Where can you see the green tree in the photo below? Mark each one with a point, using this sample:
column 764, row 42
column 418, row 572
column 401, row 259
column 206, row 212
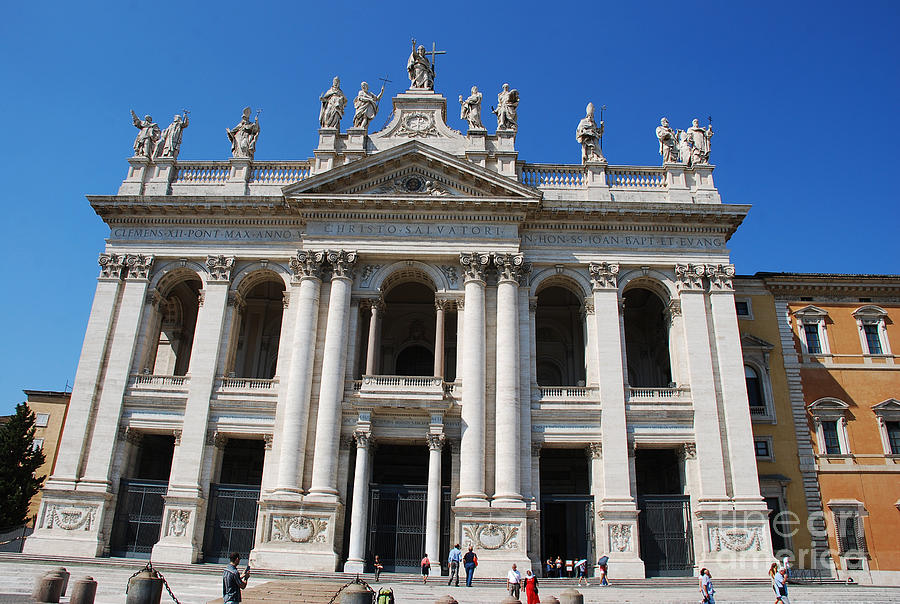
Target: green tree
column 19, row 460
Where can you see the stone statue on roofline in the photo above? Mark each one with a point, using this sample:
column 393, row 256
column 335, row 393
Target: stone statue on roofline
column 420, row 70
column 588, row 134
column 170, row 141
column 366, row 106
column 470, row 109
column 668, row 141
column 700, row 144
column 333, row 103
column 243, row 136
column 507, row 109
column 145, row 143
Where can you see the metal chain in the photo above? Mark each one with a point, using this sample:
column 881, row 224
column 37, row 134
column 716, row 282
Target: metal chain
column 358, row 581
column 156, row 575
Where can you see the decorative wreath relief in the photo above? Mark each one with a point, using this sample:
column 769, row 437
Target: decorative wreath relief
column 492, row 536
column 178, row 521
column 299, row 529
column 736, row 539
column 70, row 517
column 620, row 537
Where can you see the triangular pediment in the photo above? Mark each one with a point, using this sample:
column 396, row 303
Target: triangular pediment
column 413, row 169
column 752, row 342
column 891, row 406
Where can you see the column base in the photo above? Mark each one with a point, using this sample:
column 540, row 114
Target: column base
column 476, row 500
column 355, row 566
column 182, row 530
column 618, row 538
column 298, row 535
column 508, row 502
column 71, row 523
column 734, row 541
column 500, row 537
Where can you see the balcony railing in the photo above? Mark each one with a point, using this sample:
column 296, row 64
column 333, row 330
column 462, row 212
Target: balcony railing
column 149, row 381
column 230, row 383
column 551, row 176
column 407, row 387
column 658, row 394
column 574, row 394
column 202, row 172
column 759, row 411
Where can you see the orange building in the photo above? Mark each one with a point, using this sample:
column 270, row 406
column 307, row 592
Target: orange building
column 50, row 415
column 843, row 330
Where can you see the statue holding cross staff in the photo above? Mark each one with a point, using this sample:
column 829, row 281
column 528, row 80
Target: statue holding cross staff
column 421, row 70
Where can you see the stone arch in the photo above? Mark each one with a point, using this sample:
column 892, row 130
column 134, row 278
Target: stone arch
column 255, row 272
column 576, row 281
column 645, row 295
column 166, row 275
column 656, row 281
column 171, row 324
column 407, row 271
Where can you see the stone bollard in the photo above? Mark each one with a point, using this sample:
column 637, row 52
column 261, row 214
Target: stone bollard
column 144, row 588
column 571, row 596
column 65, row 575
column 510, row 600
column 550, row 600
column 356, row 594
column 48, row 588
column 448, row 599
column 84, row 590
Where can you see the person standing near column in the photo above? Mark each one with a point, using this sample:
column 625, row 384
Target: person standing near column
column 454, row 558
column 470, row 561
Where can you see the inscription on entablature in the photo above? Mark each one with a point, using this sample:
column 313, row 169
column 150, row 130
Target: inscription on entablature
column 445, row 230
column 203, row 234
column 620, row 240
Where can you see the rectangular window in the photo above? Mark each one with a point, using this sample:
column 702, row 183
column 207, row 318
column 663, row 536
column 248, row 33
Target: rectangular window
column 893, row 434
column 762, row 448
column 851, row 538
column 742, row 307
column 41, row 419
column 872, row 340
column 813, row 344
column 37, row 443
column 830, row 434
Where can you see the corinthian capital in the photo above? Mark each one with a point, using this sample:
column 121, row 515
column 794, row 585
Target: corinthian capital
column 720, row 277
column 474, row 265
column 342, row 263
column 689, row 277
column 511, row 267
column 307, row 263
column 435, row 442
column 219, row 267
column 111, row 265
column 138, row 266
column 604, row 275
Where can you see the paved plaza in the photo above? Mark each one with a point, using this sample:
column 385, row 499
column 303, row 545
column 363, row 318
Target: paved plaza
column 199, row 584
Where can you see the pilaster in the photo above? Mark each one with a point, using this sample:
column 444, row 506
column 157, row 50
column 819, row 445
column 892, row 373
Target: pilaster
column 162, row 173
column 238, row 182
column 139, row 169
column 186, row 495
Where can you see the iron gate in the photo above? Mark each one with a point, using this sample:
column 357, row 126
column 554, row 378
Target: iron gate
column 230, row 521
column 666, row 540
column 138, row 519
column 397, row 525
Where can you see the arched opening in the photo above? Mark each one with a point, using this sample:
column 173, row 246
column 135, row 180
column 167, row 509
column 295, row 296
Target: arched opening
column 259, row 330
column 408, row 330
column 177, row 320
column 646, row 339
column 754, row 390
column 559, row 335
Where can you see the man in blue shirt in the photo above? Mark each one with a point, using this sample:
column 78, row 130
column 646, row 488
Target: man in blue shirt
column 454, row 558
column 779, row 584
column 232, row 581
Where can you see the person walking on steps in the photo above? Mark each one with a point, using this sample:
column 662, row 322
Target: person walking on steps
column 779, row 584
column 513, row 582
column 707, row 590
column 470, row 561
column 603, row 570
column 581, row 571
column 426, row 568
column 378, row 568
column 454, row 558
column 531, row 588
column 232, row 581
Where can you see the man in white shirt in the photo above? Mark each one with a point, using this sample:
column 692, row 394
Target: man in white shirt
column 513, row 582
column 779, row 584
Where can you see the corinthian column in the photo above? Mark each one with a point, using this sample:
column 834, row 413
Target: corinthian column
column 433, row 503
column 471, row 471
column 324, row 475
column 307, row 269
column 376, row 307
column 508, row 491
column 440, row 306
column 356, row 555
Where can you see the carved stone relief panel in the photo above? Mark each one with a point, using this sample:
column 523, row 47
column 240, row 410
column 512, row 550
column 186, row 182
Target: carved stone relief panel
column 735, row 538
column 177, row 522
column 70, row 517
column 491, row 535
column 299, row 529
column 620, row 538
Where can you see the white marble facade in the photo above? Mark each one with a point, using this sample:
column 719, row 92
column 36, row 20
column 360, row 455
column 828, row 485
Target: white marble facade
column 486, row 233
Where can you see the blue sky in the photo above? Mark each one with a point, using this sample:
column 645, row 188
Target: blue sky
column 802, row 96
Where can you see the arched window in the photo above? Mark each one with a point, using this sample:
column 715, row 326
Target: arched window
column 259, row 330
column 646, row 339
column 177, row 318
column 559, row 335
column 754, row 391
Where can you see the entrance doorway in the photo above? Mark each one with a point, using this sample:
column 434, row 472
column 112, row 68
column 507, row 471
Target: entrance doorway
column 398, row 496
column 664, row 522
column 567, row 507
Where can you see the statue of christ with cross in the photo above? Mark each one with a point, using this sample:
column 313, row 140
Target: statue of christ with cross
column 421, row 71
